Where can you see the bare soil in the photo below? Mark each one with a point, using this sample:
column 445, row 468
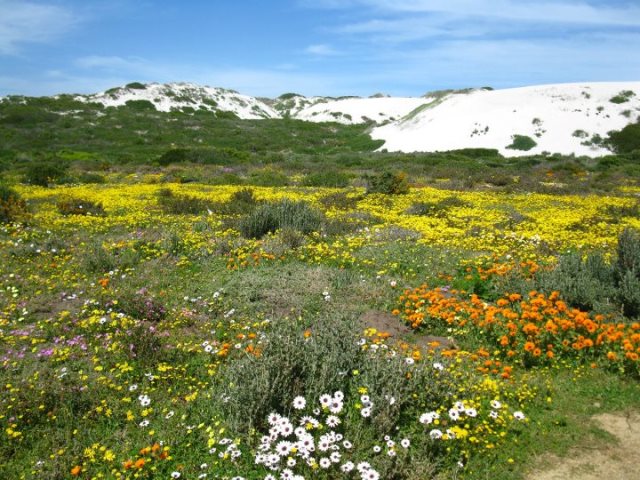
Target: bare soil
column 617, row 461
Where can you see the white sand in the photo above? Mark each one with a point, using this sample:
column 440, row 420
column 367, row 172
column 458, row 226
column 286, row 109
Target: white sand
column 553, row 112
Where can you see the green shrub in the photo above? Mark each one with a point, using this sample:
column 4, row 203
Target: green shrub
column 293, row 364
column 175, row 155
column 628, row 294
column 328, row 178
column 268, row 177
column 436, row 209
column 79, row 206
column 626, row 140
column 521, row 142
column 389, row 183
column 586, row 284
column 142, row 306
column 45, row 173
column 136, row 86
column 622, row 97
column 182, row 204
column 270, row 217
column 140, row 105
column 145, row 345
column 580, row 134
column 340, row 201
column 628, row 251
column 91, row 178
column 11, row 205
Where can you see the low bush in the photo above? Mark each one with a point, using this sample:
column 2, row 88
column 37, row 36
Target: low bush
column 182, row 204
column 622, row 97
column 521, row 142
column 626, row 140
column 91, row 178
column 389, row 183
column 340, row 201
column 45, row 173
column 329, row 178
column 142, row 306
column 270, row 217
column 79, row 206
column 585, row 284
column 298, row 361
column 12, row 206
column 436, row 209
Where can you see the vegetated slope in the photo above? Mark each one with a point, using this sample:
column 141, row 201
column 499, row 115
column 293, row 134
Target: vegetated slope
column 564, row 118
column 184, row 96
column 355, row 109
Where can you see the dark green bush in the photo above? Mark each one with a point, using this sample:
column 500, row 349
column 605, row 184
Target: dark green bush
column 522, row 142
column 11, row 205
column 270, row 217
column 45, row 173
column 91, row 178
column 79, row 206
column 328, row 178
column 182, row 204
column 436, row 209
column 140, row 105
column 340, row 201
column 136, row 86
column 622, row 97
column 175, row 155
column 390, row 183
column 268, row 177
column 626, row 140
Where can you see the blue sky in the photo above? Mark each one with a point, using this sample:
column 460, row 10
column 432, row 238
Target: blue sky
column 315, row 47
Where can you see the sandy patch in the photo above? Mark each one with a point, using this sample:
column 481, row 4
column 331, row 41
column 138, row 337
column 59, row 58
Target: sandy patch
column 617, row 461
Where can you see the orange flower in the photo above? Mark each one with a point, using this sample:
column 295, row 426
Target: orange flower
column 537, row 352
column 612, row 356
column 529, row 346
column 75, row 471
column 128, row 464
column 140, row 463
column 104, row 282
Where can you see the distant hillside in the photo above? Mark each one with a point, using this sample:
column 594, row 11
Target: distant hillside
column 565, row 118
column 183, row 96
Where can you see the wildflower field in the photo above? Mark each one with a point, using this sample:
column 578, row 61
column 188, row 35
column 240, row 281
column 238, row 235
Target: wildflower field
column 167, row 330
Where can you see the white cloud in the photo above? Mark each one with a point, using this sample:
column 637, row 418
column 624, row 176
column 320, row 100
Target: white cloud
column 26, row 22
column 321, row 50
column 553, row 11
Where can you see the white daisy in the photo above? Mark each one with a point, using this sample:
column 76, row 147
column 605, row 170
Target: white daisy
column 347, row 467
column 519, row 415
column 299, row 403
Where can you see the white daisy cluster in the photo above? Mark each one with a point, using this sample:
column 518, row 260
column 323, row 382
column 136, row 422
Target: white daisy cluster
column 391, row 446
column 227, row 448
column 367, row 406
column 460, row 412
column 296, row 445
